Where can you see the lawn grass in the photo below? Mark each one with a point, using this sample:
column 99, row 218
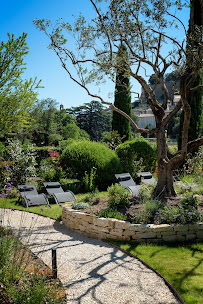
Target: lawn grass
column 181, row 265
column 54, row 211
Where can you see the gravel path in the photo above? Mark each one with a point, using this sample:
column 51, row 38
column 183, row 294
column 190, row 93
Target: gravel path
column 90, row 270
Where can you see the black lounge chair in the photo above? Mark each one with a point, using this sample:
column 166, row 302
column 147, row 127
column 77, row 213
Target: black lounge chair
column 55, row 189
column 126, row 181
column 146, row 178
column 31, row 197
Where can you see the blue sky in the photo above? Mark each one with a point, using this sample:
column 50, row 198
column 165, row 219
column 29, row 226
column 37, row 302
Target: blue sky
column 16, row 17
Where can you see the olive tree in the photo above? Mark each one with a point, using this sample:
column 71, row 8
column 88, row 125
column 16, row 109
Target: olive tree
column 149, row 30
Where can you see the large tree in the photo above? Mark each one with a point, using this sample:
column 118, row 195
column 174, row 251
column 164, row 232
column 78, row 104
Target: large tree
column 17, row 96
column 122, row 96
column 92, row 118
column 149, row 31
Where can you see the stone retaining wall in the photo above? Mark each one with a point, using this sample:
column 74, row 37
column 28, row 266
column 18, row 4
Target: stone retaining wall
column 103, row 228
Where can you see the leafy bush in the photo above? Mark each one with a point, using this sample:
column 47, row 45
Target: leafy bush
column 145, row 192
column 50, row 168
column 194, row 163
column 43, row 152
column 80, row 205
column 187, row 212
column 82, row 156
column 118, row 196
column 134, row 150
column 111, row 213
column 23, row 161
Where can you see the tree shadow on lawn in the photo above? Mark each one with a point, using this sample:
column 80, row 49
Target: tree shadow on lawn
column 188, row 272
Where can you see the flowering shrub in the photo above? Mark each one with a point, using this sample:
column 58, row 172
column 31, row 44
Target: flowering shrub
column 5, row 171
column 186, row 213
column 9, row 191
column 22, row 160
column 50, row 168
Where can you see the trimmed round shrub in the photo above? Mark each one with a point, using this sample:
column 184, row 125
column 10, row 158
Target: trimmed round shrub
column 133, row 150
column 82, row 156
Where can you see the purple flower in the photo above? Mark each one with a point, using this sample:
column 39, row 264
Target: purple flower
column 12, row 209
column 61, row 206
column 49, row 206
column 42, row 209
column 24, row 187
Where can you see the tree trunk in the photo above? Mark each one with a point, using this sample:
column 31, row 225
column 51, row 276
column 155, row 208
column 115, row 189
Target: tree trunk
column 164, row 187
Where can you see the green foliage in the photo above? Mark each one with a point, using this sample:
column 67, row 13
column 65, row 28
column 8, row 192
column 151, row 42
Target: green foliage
column 111, row 213
column 92, row 197
column 113, row 139
column 92, row 119
column 82, row 156
column 134, row 150
column 50, row 168
column 194, row 163
column 5, row 171
column 16, row 96
column 89, row 180
column 122, row 96
column 118, row 196
column 10, row 261
column 186, row 213
column 50, row 126
column 189, row 202
column 80, row 205
column 22, row 161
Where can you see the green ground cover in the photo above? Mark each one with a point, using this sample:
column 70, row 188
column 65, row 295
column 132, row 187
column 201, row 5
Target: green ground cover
column 53, row 211
column 181, row 265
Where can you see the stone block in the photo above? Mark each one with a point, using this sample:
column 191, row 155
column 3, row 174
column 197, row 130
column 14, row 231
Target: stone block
column 181, row 227
column 148, row 235
column 128, row 233
column 173, row 238
column 200, row 234
column 168, row 233
column 191, row 236
column 103, row 229
column 79, row 214
column 101, row 221
column 135, row 227
column 122, row 224
column 90, row 218
column 116, row 232
column 112, row 223
column 198, row 226
column 162, row 228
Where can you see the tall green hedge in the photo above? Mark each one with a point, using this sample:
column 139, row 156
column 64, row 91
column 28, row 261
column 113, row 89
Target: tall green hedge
column 134, row 150
column 82, row 156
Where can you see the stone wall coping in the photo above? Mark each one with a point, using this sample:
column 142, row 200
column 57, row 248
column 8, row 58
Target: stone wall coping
column 101, row 227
